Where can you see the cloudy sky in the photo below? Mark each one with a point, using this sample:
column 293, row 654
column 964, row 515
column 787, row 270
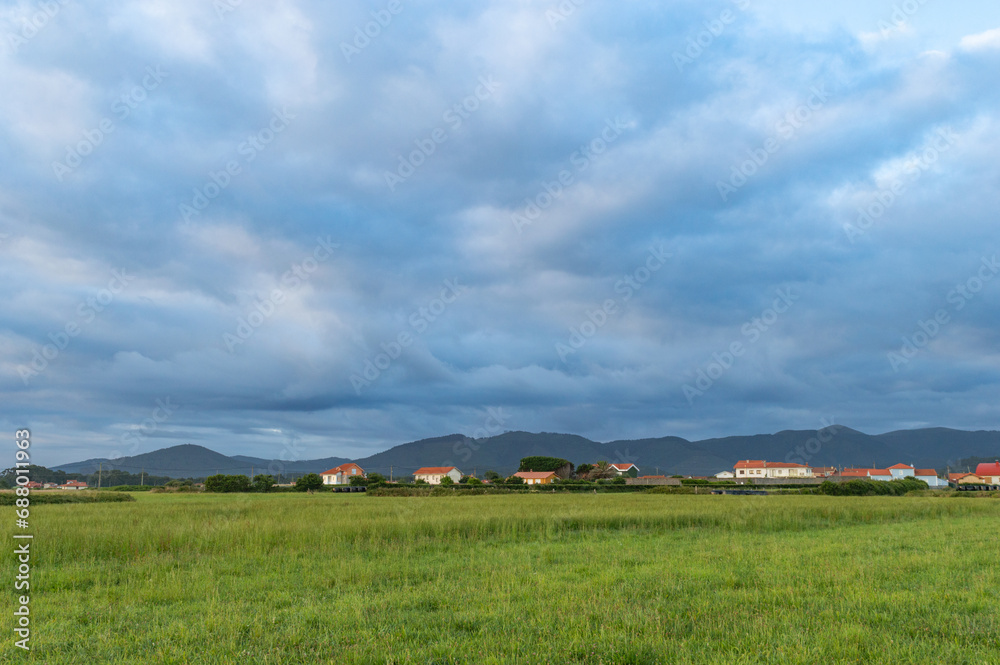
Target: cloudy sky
column 299, row 229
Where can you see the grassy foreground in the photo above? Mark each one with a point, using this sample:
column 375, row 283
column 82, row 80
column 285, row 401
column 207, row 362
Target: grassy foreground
column 606, row 578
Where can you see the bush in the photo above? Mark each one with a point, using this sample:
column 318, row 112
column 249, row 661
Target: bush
column 447, row 481
column 130, row 488
column 859, row 487
column 223, row 483
column 309, row 482
column 75, row 496
column 263, row 482
column 542, row 463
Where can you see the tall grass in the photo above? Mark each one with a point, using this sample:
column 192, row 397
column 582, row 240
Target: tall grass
column 501, row 579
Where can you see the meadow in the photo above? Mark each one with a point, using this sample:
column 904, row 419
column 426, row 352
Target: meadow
column 591, row 578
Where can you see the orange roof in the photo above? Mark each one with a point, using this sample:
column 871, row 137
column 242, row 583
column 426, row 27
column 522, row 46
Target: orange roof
column 343, row 468
column 924, row 472
column 761, row 464
column 433, row 470
column 535, row 475
column 621, row 466
column 988, row 469
column 75, row 483
column 959, row 476
column 864, row 473
column 900, row 466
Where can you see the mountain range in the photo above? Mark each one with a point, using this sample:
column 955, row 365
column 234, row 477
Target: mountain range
column 831, row 446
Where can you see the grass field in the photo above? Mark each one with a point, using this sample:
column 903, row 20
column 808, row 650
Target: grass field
column 605, row 578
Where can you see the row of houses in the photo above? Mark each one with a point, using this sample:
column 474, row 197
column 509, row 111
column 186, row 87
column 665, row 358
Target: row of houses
column 986, row 474
column 70, row 485
column 433, row 475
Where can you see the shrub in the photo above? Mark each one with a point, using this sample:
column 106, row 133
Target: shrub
column 309, row 482
column 263, row 483
column 223, row 483
column 447, row 481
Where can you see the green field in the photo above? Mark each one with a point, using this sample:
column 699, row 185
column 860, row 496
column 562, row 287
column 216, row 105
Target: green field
column 593, row 578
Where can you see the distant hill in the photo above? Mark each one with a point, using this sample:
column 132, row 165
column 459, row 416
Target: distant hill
column 833, row 446
column 191, row 461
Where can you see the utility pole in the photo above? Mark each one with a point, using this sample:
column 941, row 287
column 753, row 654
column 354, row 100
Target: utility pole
column 142, row 478
column 390, row 473
column 100, row 470
column 251, row 474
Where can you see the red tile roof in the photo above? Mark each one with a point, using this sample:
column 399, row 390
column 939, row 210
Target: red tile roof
column 75, row 483
column 900, row 466
column 535, row 475
column 343, row 468
column 958, row 476
column 750, row 464
column 433, row 470
column 924, row 472
column 988, row 469
column 623, row 466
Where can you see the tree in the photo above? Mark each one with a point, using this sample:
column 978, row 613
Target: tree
column 222, row 483
column 263, row 482
column 447, row 481
column 309, row 482
column 583, row 470
column 602, row 470
column 492, row 476
column 375, row 479
column 514, row 480
column 357, row 481
column 542, row 463
column 474, row 481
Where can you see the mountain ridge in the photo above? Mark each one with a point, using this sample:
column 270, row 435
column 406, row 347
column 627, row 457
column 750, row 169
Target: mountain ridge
column 836, row 445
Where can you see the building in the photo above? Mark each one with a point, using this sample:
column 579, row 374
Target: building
column 823, row 471
column 989, row 472
column 754, row 469
column 725, row 475
column 896, row 472
column 625, row 469
column 74, row 485
column 965, row 478
column 341, row 475
column 433, row 474
column 32, row 485
column 536, row 477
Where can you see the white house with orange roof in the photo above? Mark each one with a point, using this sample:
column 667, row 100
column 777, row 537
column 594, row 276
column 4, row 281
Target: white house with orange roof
column 341, row 475
column 537, row 477
column 74, row 485
column 758, row 469
column 432, row 475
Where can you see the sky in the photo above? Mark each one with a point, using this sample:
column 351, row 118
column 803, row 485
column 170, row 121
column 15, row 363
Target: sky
column 297, row 230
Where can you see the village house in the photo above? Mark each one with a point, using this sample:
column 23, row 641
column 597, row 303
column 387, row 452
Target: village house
column 341, row 475
column 823, row 471
column 756, row 469
column 432, row 475
column 625, row 469
column 536, row 477
column 74, row 485
column 989, row 472
column 725, row 475
column 895, row 472
column 965, row 478
column 32, row 485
